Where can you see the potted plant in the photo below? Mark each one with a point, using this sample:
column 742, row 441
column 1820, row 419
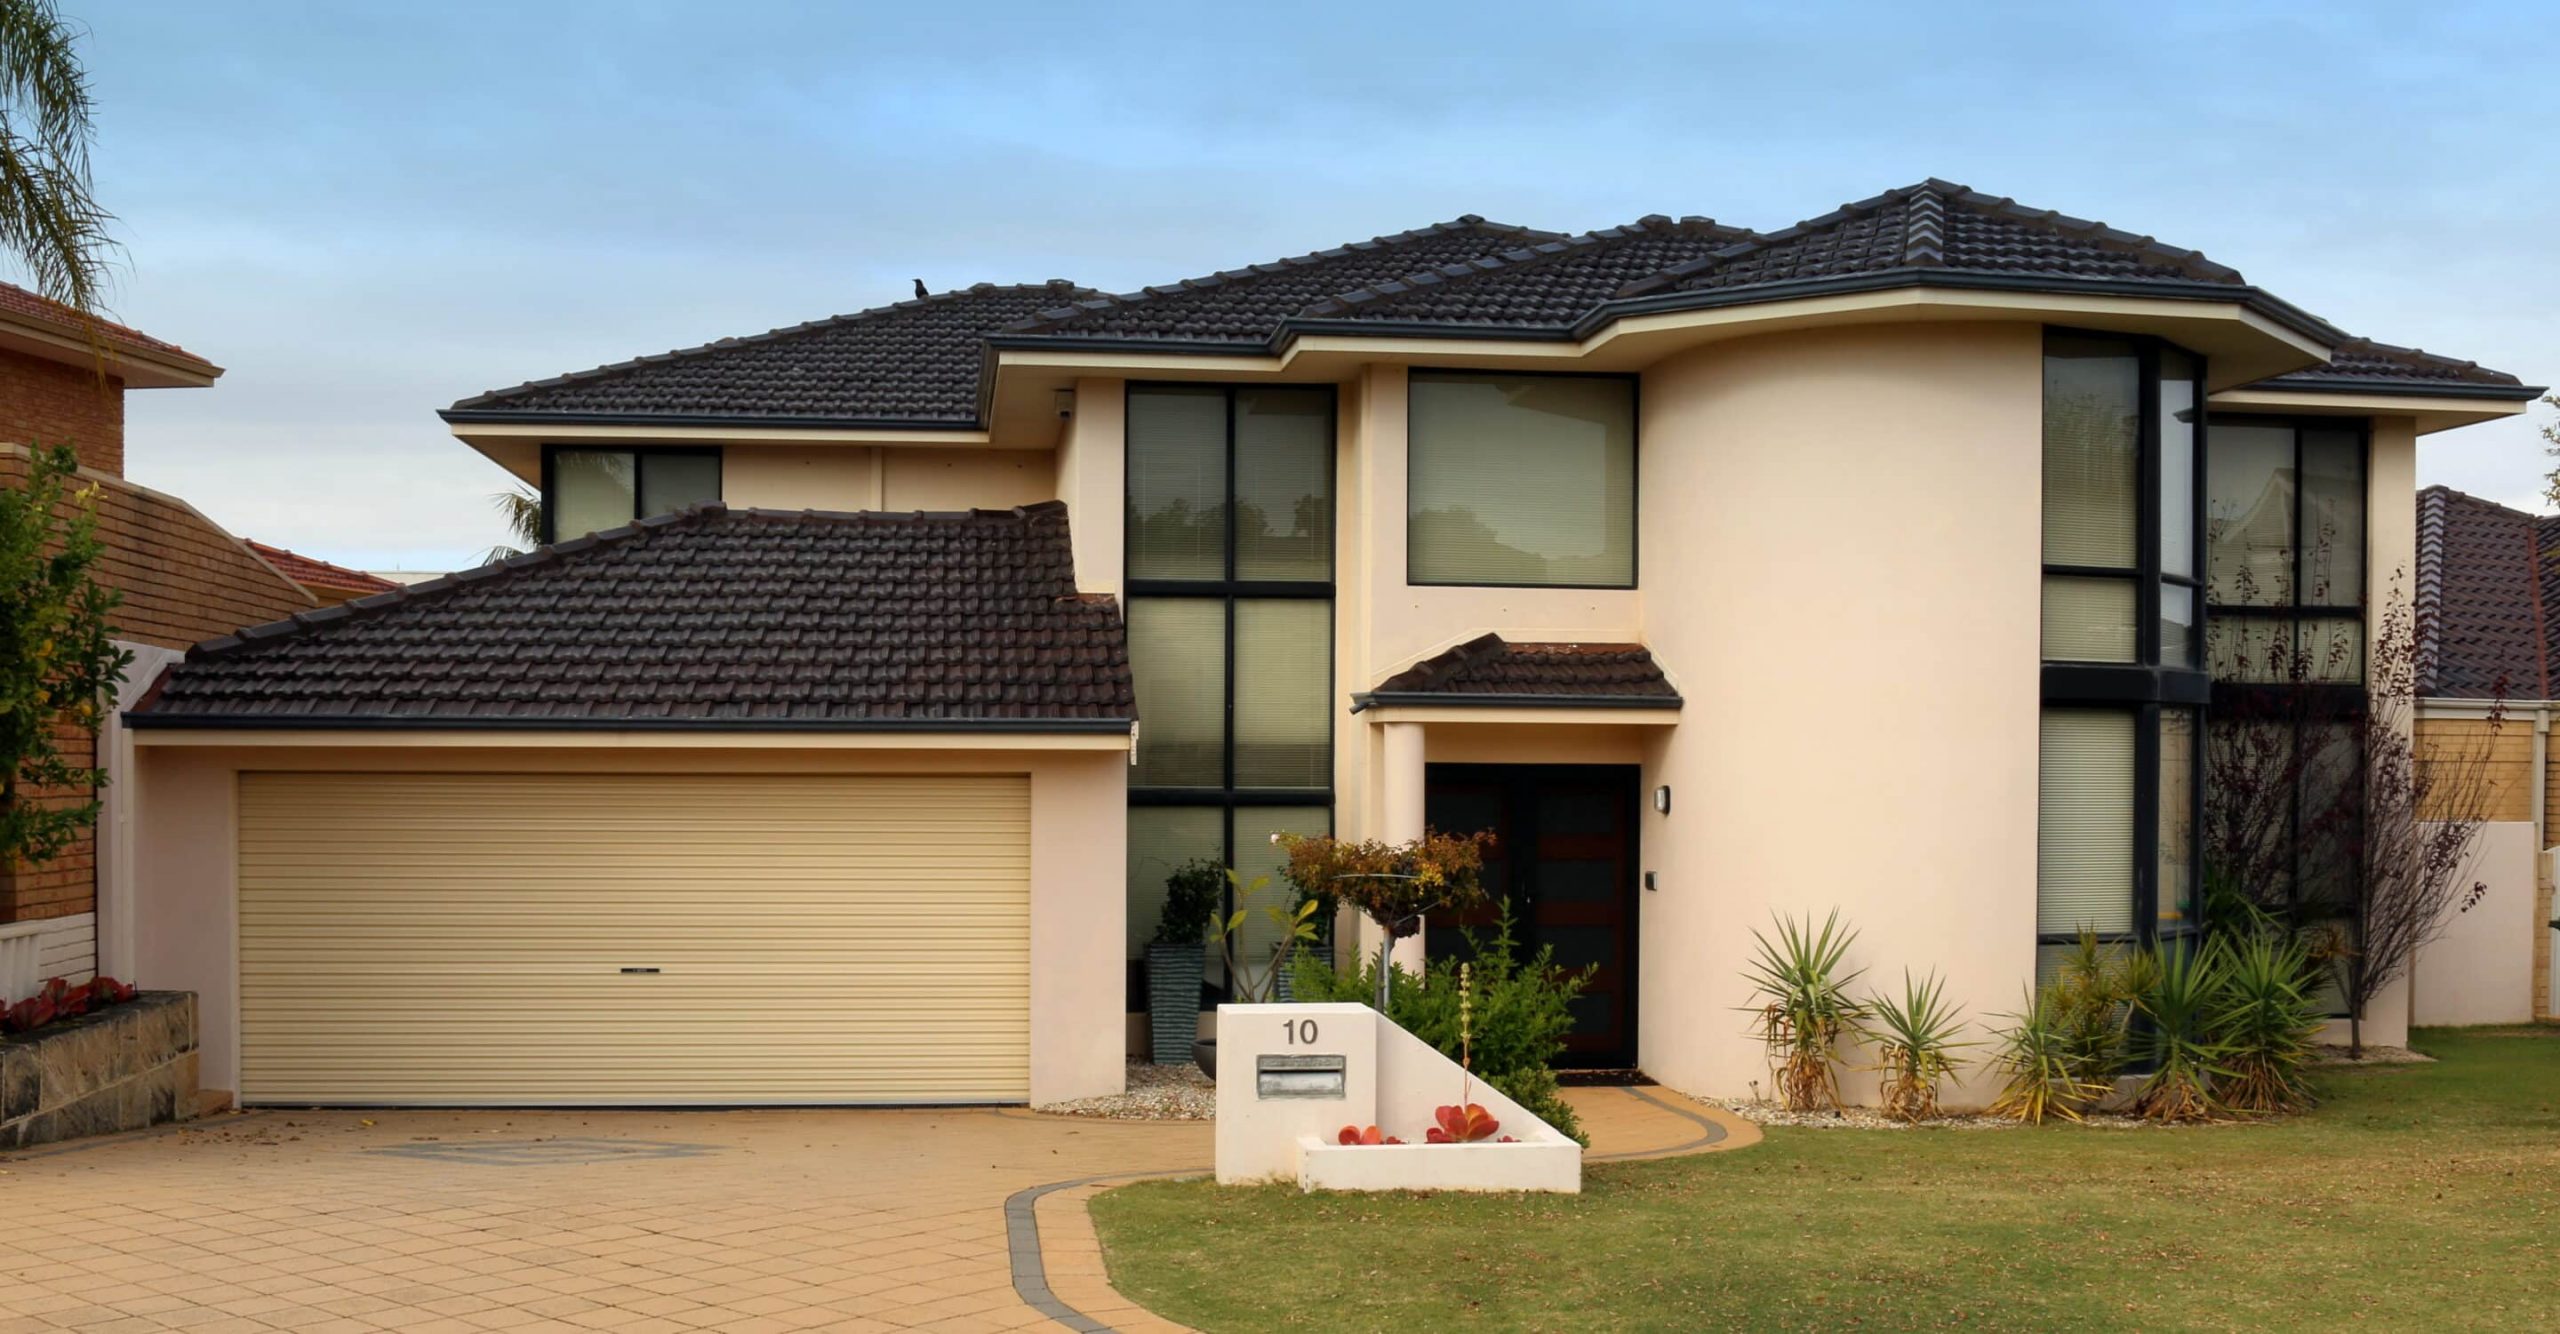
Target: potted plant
column 1254, row 977
column 1177, row 956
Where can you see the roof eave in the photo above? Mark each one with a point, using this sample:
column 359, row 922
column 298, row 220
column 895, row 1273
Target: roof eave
column 529, row 417
column 1416, row 699
column 2379, row 385
column 141, row 720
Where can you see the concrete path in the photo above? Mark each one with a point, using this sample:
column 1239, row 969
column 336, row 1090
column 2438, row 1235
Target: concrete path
column 638, row 1221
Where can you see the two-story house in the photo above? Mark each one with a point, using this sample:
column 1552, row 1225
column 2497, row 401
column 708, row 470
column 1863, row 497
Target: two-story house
column 837, row 750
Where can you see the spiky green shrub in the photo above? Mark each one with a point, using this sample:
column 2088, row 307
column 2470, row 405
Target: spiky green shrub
column 2266, row 1020
column 1801, row 1007
column 2037, row 1058
column 1915, row 1037
column 2091, row 1000
column 2178, row 995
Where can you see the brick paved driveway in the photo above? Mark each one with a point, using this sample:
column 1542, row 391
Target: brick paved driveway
column 639, row 1221
column 742, row 1221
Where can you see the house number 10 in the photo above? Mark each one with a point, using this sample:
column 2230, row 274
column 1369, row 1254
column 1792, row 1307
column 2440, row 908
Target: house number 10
column 1300, row 1032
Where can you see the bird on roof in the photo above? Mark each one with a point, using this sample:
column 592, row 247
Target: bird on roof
column 921, row 294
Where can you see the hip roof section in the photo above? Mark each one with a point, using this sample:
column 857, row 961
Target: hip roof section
column 709, row 618
column 924, row 363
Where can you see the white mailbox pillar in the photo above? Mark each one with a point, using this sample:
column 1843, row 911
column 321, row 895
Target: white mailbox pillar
column 1286, row 1071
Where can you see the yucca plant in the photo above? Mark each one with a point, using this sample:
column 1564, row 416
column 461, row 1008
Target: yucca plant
column 1801, row 1007
column 2036, row 1057
column 2180, row 992
column 2091, row 999
column 1915, row 1040
column 2266, row 1020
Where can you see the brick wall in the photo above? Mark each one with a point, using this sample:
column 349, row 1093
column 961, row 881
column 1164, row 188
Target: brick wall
column 184, row 581
column 48, row 403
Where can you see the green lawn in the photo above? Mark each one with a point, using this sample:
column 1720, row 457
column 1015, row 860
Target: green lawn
column 2417, row 1197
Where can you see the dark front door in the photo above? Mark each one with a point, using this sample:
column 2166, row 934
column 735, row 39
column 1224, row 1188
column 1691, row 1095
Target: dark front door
column 1565, row 862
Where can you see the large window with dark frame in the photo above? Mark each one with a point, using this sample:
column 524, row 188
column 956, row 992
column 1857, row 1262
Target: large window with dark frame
column 1520, row 480
column 590, row 490
column 2119, row 761
column 2286, row 587
column 1230, row 611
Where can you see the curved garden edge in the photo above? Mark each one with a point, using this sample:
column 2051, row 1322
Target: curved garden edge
column 1056, row 1255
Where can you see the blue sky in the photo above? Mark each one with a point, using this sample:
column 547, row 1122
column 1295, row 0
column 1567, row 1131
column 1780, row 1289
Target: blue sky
column 368, row 211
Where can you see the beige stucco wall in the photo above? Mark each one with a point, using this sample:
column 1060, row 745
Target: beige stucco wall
column 959, row 479
column 186, row 871
column 1841, row 559
column 800, row 477
column 1091, row 457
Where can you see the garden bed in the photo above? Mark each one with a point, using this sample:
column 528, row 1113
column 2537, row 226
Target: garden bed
column 123, row 1067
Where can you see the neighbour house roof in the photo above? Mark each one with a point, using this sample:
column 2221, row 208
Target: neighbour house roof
column 311, row 573
column 20, row 306
column 921, row 362
column 1491, row 670
column 912, row 363
column 709, row 617
column 2488, row 601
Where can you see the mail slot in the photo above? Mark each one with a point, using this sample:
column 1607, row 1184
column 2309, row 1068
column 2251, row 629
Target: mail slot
column 1298, row 1077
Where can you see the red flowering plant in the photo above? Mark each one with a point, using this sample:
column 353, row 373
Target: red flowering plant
column 61, row 999
column 1369, row 1135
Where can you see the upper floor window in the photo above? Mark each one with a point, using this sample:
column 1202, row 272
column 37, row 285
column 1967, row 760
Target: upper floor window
column 2284, row 545
column 2121, row 423
column 1230, row 485
column 590, row 490
column 1521, row 480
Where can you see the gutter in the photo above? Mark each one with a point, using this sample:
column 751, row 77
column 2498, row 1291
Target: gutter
column 1424, row 699
column 514, row 417
column 2341, row 384
column 270, row 722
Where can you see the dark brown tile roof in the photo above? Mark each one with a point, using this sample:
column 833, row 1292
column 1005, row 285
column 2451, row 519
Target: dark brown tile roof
column 711, row 618
column 916, row 362
column 1247, row 305
column 1492, row 670
column 2486, row 575
column 2363, row 364
column 919, row 362
column 1938, row 227
column 1547, row 284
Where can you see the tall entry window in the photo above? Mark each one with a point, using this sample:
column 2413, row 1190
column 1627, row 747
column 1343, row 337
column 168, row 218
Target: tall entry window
column 1230, row 607
column 2285, row 579
column 589, row 490
column 2118, row 760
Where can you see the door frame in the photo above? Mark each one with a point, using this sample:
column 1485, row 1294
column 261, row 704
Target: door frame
column 1519, row 780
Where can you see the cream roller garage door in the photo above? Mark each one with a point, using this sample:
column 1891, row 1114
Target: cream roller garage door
column 634, row 939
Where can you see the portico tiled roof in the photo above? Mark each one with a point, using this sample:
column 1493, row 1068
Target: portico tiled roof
column 920, row 362
column 708, row 618
column 1491, row 670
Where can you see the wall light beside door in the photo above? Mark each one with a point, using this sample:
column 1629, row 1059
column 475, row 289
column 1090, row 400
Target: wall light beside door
column 1662, row 799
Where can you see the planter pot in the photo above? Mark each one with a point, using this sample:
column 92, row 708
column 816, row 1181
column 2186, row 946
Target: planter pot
column 1173, row 1001
column 1204, row 1054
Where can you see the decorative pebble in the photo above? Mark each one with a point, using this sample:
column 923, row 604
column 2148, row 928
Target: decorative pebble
column 1156, row 1093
